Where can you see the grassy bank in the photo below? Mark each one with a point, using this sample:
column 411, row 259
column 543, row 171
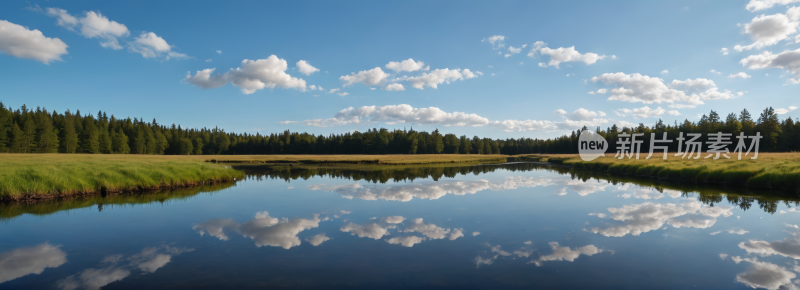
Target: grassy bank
column 771, row 170
column 420, row 159
column 42, row 175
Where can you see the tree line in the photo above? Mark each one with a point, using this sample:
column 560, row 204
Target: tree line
column 39, row 131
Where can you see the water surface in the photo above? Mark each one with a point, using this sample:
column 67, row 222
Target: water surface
column 509, row 226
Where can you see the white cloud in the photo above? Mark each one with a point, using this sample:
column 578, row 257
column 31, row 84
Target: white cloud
column 150, row 45
column 287, row 122
column 560, row 112
column 566, row 254
column 496, row 41
column 788, row 60
column 371, row 230
column 438, row 76
column 715, row 72
column 30, row 260
column 563, row 54
column 395, row 114
column 254, row 75
column 663, row 72
column 782, row 111
column 456, row 233
column 219, row 52
column 95, row 25
column 739, row 75
column 208, row 60
column 373, row 77
column 756, row 5
column 18, row 41
column 429, row 230
column 788, row 247
column 475, row 233
column 645, row 217
column 767, row 30
column 514, row 50
column 577, row 119
column 305, row 68
column 724, row 51
column 598, row 214
column 263, row 229
column 409, row 241
column 343, row 94
column 317, row 239
column 408, row 65
column 641, row 88
column 395, row 87
column 645, row 112
column 63, row 18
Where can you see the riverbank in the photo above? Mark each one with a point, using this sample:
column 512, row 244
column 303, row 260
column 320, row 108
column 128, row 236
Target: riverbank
column 392, row 159
column 770, row 170
column 44, row 176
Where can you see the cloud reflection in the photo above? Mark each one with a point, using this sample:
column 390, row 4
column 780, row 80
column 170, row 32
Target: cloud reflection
column 30, row 260
column 263, row 229
column 764, row 275
column 377, row 230
column 439, row 189
column 645, row 217
column 117, row 267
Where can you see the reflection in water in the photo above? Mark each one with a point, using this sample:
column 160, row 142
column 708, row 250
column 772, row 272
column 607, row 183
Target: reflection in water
column 645, row 193
column 645, row 217
column 437, row 190
column 377, row 230
column 317, row 239
column 117, row 267
column 765, row 275
column 263, row 229
column 559, row 254
column 30, row 260
column 788, row 247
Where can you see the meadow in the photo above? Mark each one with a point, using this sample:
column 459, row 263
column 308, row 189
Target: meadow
column 47, row 175
column 770, row 170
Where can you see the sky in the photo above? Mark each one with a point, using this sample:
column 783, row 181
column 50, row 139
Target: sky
column 497, row 69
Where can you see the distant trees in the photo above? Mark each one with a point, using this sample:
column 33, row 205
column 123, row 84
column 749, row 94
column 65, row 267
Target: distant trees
column 37, row 131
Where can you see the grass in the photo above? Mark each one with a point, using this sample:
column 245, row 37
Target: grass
column 36, row 175
column 420, row 159
column 770, row 170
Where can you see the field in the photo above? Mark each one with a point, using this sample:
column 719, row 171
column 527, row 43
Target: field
column 359, row 159
column 770, row 170
column 26, row 175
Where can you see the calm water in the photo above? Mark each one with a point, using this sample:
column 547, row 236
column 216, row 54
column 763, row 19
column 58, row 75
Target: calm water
column 488, row 227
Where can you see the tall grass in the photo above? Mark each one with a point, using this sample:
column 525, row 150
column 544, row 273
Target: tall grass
column 63, row 174
column 771, row 170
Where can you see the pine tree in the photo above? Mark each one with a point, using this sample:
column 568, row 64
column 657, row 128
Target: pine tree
column 69, row 138
column 104, row 143
column 119, row 143
column 89, row 139
column 769, row 126
column 17, row 143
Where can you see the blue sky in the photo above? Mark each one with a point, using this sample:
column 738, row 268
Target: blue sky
column 141, row 59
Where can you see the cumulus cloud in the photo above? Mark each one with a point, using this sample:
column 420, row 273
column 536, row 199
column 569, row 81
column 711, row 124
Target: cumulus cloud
column 436, row 77
column 577, row 119
column 663, row 72
column 429, row 230
column 715, row 72
column 20, row 42
column 395, row 87
column 563, row 54
column 566, row 254
column 398, row 114
column 408, row 65
column 317, row 239
column 118, row 267
column 724, row 51
column 788, row 60
column 305, row 68
column 788, row 247
column 756, row 5
column 739, row 75
column 252, row 76
column 95, row 25
column 373, row 77
column 263, row 229
column 645, row 112
column 373, row 230
column 641, row 88
column 514, row 50
column 763, row 274
column 645, row 217
column 782, row 111
column 767, row 30
column 150, row 45
column 497, row 41
column 63, row 18
column 475, row 233
column 30, row 260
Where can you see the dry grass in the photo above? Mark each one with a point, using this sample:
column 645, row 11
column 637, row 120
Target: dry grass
column 47, row 174
column 773, row 170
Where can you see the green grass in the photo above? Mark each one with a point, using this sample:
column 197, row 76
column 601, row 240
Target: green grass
column 25, row 175
column 770, row 170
